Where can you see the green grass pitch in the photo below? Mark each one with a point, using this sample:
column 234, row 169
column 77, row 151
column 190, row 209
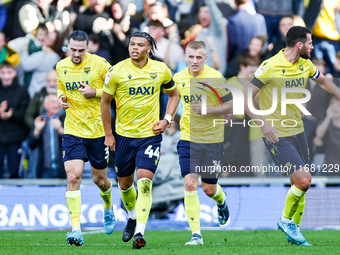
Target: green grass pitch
column 170, row 242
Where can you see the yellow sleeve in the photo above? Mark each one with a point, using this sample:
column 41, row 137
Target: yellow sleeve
column 314, row 72
column 263, row 72
column 168, row 83
column 110, row 82
column 106, row 67
column 99, row 92
column 61, row 87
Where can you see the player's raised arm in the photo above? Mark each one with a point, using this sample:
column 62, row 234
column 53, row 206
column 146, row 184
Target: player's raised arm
column 106, row 117
column 328, row 85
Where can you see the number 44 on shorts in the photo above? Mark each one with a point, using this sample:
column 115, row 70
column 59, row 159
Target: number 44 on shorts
column 149, row 151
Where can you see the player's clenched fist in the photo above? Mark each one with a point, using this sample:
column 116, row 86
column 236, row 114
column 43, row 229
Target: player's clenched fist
column 62, row 103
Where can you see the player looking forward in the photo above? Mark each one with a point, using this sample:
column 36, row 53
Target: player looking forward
column 135, row 83
column 80, row 86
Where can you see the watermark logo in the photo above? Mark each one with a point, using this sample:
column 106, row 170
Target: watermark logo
column 239, row 101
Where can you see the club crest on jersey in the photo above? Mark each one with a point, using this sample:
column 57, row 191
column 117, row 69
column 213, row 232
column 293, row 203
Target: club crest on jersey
column 183, row 84
column 129, row 76
column 87, row 70
column 65, row 72
column 153, row 75
column 283, row 71
column 301, row 67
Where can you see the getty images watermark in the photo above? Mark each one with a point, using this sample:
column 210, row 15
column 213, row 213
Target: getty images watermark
column 238, row 105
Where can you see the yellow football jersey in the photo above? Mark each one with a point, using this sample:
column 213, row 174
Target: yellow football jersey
column 325, row 26
column 278, row 72
column 136, row 92
column 83, row 118
column 200, row 128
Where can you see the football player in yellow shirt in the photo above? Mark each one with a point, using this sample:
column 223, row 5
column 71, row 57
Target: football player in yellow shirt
column 284, row 135
column 80, row 86
column 135, row 83
column 201, row 143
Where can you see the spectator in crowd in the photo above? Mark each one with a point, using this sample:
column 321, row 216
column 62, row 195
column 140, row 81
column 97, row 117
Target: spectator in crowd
column 273, row 11
column 310, row 123
column 142, row 15
column 336, row 74
column 94, row 48
column 226, row 8
column 29, row 14
column 325, row 33
column 179, row 10
column 213, row 23
column 337, row 65
column 41, row 62
column 35, row 106
column 13, row 103
column 158, row 11
column 286, row 22
column 124, row 26
column 255, row 49
column 237, row 150
column 47, row 135
column 319, row 98
column 31, row 42
column 6, row 53
column 96, row 20
column 241, row 30
column 169, row 47
column 328, row 135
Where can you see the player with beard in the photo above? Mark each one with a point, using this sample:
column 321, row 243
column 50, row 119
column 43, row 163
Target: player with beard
column 80, row 86
column 287, row 143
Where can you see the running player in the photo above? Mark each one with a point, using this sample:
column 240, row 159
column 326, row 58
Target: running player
column 201, row 143
column 135, row 83
column 284, row 135
column 80, row 86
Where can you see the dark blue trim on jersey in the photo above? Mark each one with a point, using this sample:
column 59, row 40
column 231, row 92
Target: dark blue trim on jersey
column 169, row 85
column 257, row 82
column 316, row 75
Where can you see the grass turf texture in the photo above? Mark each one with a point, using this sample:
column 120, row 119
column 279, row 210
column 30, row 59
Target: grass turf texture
column 169, row 242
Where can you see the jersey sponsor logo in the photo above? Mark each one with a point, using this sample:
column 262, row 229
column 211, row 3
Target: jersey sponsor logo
column 192, row 98
column 295, row 83
column 74, row 85
column 141, row 91
column 153, row 75
column 87, row 70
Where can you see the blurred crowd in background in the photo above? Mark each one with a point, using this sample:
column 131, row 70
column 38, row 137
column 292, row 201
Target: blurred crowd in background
column 239, row 35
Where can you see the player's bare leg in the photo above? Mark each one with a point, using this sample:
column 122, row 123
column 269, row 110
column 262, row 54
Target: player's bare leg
column 74, row 172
